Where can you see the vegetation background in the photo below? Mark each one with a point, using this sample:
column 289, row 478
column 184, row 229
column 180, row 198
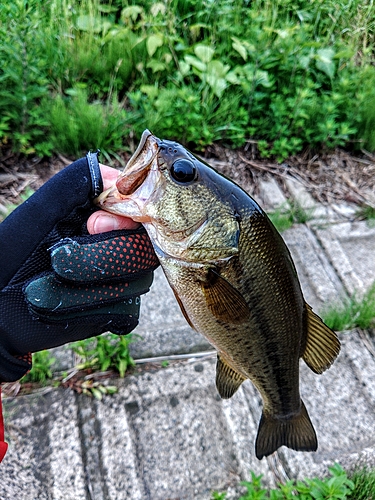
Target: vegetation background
column 284, row 73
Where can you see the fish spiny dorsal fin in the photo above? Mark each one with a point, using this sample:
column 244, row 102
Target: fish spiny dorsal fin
column 295, row 432
column 322, row 343
column 228, row 380
column 224, row 301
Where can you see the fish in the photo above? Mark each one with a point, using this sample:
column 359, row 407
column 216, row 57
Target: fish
column 234, row 280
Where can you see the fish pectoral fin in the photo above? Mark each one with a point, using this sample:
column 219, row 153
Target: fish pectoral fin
column 224, row 301
column 322, row 344
column 296, row 432
column 228, row 380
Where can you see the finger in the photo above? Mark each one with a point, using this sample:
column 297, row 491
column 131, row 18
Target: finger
column 109, row 176
column 101, row 222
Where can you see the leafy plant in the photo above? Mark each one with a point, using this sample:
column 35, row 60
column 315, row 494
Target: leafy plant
column 336, row 487
column 105, row 352
column 354, row 312
column 286, row 74
column 78, row 125
column 41, row 369
column 23, row 77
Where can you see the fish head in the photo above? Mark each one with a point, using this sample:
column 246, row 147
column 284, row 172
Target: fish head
column 182, row 202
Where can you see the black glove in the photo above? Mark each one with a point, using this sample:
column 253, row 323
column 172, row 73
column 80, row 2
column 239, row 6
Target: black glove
column 58, row 283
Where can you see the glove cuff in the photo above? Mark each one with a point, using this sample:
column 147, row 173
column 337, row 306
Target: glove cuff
column 96, row 177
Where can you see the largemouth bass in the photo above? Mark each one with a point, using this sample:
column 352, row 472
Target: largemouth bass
column 234, row 280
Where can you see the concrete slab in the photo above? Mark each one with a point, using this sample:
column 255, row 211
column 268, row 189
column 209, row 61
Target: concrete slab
column 44, row 459
column 303, row 198
column 317, row 276
column 350, row 248
column 167, row 434
column 271, row 197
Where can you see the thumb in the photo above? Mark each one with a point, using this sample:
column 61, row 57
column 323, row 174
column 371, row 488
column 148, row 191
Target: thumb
column 101, row 222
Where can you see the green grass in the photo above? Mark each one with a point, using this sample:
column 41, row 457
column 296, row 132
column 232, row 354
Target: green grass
column 354, row 312
column 284, row 217
column 107, row 351
column 364, row 484
column 41, row 370
column 367, row 213
column 94, row 74
column 359, row 485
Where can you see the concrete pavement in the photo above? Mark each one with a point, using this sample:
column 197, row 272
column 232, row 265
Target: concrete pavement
column 166, row 434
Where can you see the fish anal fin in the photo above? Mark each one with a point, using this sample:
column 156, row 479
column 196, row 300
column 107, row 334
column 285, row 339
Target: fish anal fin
column 228, row 380
column 224, row 301
column 322, row 343
column 183, row 310
column 296, row 432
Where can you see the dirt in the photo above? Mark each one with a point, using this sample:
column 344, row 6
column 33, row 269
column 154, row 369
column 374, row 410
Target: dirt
column 330, row 177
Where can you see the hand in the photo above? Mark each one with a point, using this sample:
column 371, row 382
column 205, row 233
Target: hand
column 100, row 221
column 58, row 283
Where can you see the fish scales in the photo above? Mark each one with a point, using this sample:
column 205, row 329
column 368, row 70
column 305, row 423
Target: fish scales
column 234, row 280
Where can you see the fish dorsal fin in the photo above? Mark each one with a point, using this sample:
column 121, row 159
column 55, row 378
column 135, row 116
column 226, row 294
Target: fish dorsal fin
column 322, row 343
column 224, row 301
column 228, row 380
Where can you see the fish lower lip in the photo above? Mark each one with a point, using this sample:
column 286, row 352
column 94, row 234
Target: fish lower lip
column 100, row 200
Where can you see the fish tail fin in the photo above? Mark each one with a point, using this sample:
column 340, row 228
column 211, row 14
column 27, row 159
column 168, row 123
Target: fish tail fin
column 296, row 433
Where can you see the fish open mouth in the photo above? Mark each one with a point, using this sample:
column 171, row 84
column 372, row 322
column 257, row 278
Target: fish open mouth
column 135, row 171
column 139, row 164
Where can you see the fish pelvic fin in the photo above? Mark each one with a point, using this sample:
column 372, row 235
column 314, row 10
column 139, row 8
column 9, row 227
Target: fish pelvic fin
column 322, row 343
column 296, row 433
column 228, row 380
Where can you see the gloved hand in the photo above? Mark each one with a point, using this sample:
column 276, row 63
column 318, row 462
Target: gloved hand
column 60, row 284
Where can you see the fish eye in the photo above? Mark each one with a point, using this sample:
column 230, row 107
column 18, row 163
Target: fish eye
column 183, row 171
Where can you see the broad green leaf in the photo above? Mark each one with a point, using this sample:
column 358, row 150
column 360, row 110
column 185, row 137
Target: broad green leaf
column 167, row 57
column 122, row 367
column 218, row 85
column 96, row 393
column 111, row 389
column 184, row 67
column 156, row 65
column 324, row 61
column 89, row 23
column 204, row 52
column 217, row 69
column 196, row 63
column 232, row 77
column 304, row 61
column 131, row 12
column 107, row 9
column 157, row 8
column 153, row 43
column 240, row 48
